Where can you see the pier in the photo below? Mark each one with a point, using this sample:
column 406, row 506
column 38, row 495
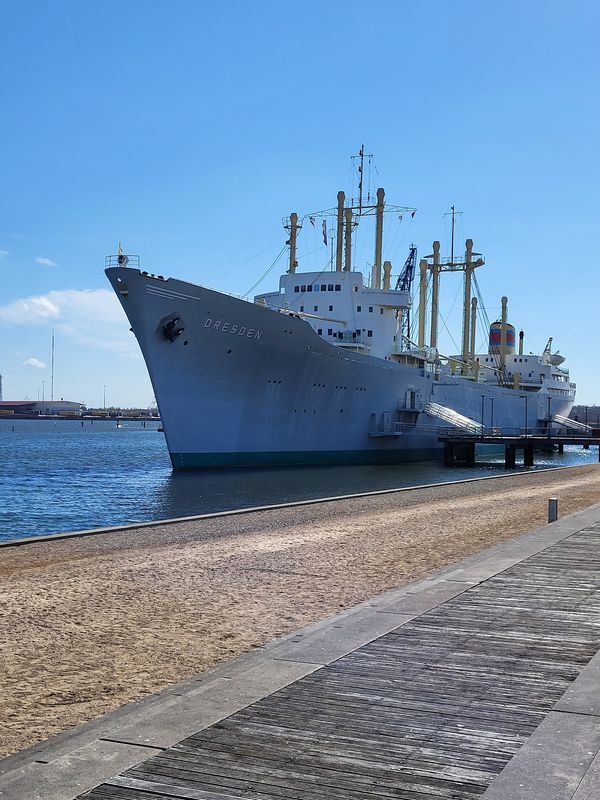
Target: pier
column 481, row 680
column 460, row 446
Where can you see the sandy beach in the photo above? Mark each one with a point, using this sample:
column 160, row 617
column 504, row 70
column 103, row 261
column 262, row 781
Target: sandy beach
column 88, row 624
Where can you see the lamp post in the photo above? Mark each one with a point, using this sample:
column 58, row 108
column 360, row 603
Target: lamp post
column 492, row 413
column 549, row 414
column 104, row 396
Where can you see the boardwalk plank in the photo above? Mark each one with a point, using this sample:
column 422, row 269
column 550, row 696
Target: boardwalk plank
column 434, row 709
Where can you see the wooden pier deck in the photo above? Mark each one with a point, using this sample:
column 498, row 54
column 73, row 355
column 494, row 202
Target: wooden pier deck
column 435, row 708
column 482, row 680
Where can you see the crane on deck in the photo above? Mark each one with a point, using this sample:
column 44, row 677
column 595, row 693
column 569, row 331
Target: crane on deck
column 404, row 283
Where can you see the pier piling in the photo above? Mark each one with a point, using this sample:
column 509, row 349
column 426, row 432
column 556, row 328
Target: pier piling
column 510, row 456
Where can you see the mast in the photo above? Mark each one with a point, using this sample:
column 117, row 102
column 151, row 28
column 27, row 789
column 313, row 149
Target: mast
column 473, row 329
column 341, row 198
column 467, row 303
column 435, row 293
column 292, row 225
column 452, row 213
column 422, row 298
column 376, row 278
column 348, row 254
column 293, row 239
column 361, row 166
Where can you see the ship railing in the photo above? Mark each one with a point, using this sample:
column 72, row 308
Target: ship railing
column 538, row 431
column 122, row 260
column 392, row 427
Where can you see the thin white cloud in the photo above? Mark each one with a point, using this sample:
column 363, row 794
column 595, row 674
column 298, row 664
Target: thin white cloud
column 89, row 318
column 3, row 254
column 98, row 305
column 34, row 362
column 45, row 262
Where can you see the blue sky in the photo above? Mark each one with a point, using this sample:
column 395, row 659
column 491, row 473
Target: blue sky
column 187, row 130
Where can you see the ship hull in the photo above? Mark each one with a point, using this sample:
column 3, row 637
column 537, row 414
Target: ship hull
column 243, row 385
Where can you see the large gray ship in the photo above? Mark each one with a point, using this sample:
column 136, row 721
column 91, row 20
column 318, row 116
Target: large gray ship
column 325, row 370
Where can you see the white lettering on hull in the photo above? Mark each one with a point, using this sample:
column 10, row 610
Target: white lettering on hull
column 233, row 329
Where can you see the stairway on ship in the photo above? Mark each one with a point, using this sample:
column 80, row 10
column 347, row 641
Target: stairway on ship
column 452, row 417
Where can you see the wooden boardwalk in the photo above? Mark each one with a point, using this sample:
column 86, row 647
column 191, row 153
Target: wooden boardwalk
column 434, row 709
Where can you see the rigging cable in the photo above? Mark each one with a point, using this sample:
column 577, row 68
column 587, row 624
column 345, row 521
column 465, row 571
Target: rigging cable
column 264, row 275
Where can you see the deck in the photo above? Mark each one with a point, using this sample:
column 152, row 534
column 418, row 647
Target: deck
column 431, row 691
column 435, row 708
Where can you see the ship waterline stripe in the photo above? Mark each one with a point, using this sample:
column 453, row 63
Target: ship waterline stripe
column 253, row 509
column 296, row 458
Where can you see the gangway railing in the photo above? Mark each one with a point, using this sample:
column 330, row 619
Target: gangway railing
column 573, row 424
column 453, row 418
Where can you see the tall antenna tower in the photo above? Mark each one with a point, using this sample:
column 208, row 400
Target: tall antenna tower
column 361, row 176
column 453, row 213
column 52, row 370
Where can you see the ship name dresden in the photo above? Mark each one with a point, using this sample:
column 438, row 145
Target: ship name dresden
column 233, row 329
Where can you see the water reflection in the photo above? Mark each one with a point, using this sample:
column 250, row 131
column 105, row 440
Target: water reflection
column 60, row 476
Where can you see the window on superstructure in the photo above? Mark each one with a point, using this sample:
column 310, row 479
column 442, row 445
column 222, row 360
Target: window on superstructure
column 369, row 333
column 323, row 287
column 296, row 288
column 316, row 287
column 301, row 308
column 370, row 309
column 359, row 308
column 331, row 308
column 356, row 288
column 309, row 288
column 330, row 287
column 329, row 331
column 303, row 288
column 315, row 308
column 381, row 310
column 338, row 287
column 320, row 331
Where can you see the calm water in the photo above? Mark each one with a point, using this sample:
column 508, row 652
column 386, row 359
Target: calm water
column 64, row 476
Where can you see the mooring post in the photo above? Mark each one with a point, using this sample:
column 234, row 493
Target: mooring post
column 510, row 456
column 449, row 454
column 528, row 454
column 552, row 509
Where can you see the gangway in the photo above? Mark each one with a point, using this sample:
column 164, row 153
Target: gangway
column 452, row 417
column 567, row 422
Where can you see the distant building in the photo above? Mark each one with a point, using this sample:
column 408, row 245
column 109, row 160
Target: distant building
column 41, row 408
